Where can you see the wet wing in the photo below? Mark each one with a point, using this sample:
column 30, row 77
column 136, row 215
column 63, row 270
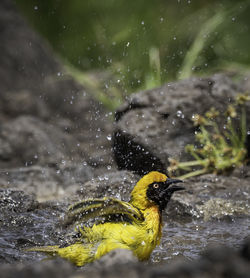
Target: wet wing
column 92, row 208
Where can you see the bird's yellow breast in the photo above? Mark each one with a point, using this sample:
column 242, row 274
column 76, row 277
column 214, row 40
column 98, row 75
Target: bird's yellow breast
column 141, row 238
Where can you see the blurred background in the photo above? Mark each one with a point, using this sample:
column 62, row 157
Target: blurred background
column 118, row 47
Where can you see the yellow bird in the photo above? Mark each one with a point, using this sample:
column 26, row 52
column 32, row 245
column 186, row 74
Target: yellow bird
column 138, row 229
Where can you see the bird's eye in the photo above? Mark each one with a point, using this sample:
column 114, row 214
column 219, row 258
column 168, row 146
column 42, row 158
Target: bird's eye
column 155, row 185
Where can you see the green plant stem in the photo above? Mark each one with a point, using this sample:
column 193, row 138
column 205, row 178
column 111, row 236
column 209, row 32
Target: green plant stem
column 193, row 174
column 191, row 163
column 243, row 125
column 233, row 137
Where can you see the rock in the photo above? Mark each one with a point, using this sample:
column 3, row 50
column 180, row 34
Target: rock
column 24, row 223
column 16, row 201
column 217, row 262
column 34, row 84
column 26, row 61
column 23, row 102
column 115, row 258
column 31, row 141
column 117, row 184
column 46, row 183
column 153, row 126
column 212, row 197
column 50, row 269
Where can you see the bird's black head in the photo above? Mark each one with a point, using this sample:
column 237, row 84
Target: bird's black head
column 161, row 192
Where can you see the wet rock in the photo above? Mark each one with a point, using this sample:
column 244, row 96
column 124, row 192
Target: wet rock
column 24, row 222
column 219, row 208
column 155, row 125
column 46, row 183
column 55, row 268
column 16, row 201
column 31, row 141
column 34, row 84
column 217, row 262
column 117, row 184
column 22, row 102
column 115, row 258
column 212, row 197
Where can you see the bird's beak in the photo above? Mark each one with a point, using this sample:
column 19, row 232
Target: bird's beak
column 173, row 188
column 171, row 181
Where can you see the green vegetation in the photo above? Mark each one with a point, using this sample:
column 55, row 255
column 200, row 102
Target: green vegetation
column 218, row 152
column 125, row 46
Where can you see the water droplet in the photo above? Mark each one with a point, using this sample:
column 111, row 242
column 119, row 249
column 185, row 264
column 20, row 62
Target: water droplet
column 180, row 114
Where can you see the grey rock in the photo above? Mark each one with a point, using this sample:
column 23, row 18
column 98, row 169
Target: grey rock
column 24, row 222
column 55, row 268
column 217, row 262
column 16, row 201
column 34, row 83
column 46, row 183
column 212, row 197
column 117, row 184
column 155, row 125
column 31, row 141
column 115, row 258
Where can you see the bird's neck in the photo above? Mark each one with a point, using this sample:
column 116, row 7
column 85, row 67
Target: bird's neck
column 153, row 221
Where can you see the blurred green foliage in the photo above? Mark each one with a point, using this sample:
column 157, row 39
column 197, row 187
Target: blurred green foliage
column 143, row 44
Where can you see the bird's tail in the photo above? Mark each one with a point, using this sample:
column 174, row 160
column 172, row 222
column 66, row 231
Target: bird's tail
column 77, row 253
column 50, row 250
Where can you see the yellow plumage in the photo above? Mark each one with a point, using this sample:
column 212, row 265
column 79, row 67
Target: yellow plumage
column 140, row 232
